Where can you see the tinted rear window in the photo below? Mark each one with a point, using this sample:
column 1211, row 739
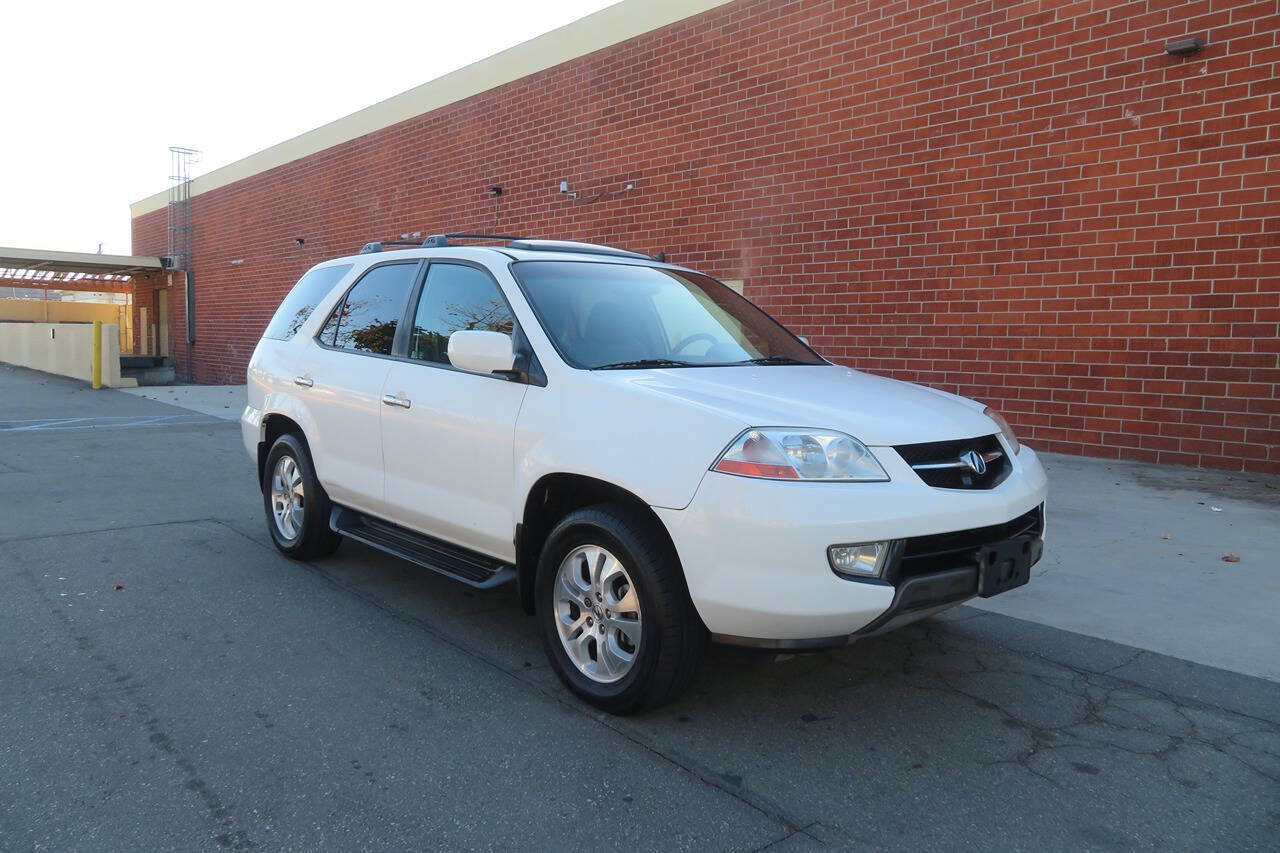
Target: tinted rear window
column 302, row 300
column 369, row 316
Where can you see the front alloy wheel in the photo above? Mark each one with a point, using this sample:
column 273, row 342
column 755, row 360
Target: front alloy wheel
column 597, row 614
column 614, row 612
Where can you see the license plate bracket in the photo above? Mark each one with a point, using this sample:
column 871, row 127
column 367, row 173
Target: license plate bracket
column 1006, row 565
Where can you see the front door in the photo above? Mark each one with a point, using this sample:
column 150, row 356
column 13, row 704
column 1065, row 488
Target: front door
column 448, row 436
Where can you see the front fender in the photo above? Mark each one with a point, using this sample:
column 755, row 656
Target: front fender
column 656, row 448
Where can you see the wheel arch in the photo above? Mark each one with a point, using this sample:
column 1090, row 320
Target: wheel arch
column 274, row 425
column 553, row 497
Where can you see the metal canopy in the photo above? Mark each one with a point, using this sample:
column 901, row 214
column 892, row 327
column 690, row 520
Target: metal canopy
column 37, row 264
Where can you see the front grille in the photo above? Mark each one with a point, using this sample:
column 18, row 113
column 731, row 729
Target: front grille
column 922, row 555
column 941, row 463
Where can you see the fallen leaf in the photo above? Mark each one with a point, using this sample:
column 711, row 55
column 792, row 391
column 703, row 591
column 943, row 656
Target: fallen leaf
column 1230, row 558
column 119, row 586
column 1164, row 535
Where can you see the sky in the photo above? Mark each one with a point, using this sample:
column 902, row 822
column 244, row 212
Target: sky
column 95, row 93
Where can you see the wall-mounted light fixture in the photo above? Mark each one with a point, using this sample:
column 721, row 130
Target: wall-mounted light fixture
column 493, row 192
column 1184, row 47
column 299, row 241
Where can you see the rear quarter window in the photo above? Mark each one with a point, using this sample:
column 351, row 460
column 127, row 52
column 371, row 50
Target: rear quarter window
column 302, row 300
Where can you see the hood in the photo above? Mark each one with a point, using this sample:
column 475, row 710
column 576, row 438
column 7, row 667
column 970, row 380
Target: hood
column 875, row 410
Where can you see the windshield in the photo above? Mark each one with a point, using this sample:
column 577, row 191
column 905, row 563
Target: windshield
column 619, row 316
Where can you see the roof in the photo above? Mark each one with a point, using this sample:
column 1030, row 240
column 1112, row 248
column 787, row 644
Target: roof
column 43, row 263
column 609, row 26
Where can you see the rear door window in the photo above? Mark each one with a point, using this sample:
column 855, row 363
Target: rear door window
column 367, row 319
column 302, row 300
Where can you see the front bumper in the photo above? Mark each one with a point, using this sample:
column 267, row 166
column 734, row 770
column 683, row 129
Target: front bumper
column 754, row 552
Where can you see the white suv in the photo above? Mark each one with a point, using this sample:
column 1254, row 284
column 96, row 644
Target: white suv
column 651, row 458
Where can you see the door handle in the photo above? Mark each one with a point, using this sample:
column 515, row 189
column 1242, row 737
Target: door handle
column 391, row 400
column 304, row 381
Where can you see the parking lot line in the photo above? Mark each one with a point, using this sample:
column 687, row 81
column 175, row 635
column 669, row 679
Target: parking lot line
column 117, row 422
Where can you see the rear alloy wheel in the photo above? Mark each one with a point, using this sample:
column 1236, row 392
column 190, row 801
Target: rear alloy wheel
column 288, row 498
column 615, row 616
column 296, row 505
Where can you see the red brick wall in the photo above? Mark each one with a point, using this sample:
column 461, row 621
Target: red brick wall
column 1026, row 203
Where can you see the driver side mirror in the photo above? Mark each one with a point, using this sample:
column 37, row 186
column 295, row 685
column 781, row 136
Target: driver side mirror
column 481, row 352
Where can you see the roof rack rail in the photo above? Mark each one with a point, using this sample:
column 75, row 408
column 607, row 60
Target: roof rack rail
column 439, row 241
column 578, row 248
column 378, row 245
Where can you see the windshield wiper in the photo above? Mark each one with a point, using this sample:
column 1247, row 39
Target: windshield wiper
column 773, row 359
column 645, row 362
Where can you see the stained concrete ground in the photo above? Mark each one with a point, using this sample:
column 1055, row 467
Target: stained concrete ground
column 225, row 696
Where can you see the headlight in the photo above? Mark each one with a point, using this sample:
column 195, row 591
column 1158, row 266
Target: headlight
column 788, row 453
column 1005, row 429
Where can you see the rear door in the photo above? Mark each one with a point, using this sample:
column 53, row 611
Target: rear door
column 346, row 366
column 448, row 436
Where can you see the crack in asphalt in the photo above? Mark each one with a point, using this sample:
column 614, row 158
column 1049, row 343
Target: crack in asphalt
column 1136, row 654
column 804, row 830
column 119, row 527
column 1109, row 715
column 124, row 683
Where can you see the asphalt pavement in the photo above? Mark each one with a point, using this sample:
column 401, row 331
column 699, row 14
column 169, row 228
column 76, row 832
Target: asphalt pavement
column 170, row 682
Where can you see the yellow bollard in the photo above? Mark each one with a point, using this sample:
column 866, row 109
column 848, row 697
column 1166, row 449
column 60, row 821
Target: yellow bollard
column 97, row 354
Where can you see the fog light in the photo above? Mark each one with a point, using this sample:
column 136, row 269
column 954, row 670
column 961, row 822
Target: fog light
column 865, row 560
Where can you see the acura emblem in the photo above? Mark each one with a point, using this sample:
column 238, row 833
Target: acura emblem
column 974, row 462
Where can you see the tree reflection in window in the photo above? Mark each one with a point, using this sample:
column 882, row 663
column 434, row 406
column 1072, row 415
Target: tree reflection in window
column 359, row 327
column 368, row 318
column 455, row 298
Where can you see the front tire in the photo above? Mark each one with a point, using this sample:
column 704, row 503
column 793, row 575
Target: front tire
column 613, row 610
column 296, row 505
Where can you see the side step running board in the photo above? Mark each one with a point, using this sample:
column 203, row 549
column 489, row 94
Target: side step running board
column 473, row 569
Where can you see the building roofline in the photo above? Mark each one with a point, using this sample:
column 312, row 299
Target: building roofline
column 77, row 262
column 605, row 28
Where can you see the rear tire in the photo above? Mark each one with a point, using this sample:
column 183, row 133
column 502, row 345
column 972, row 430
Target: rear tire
column 606, row 574
column 296, row 505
